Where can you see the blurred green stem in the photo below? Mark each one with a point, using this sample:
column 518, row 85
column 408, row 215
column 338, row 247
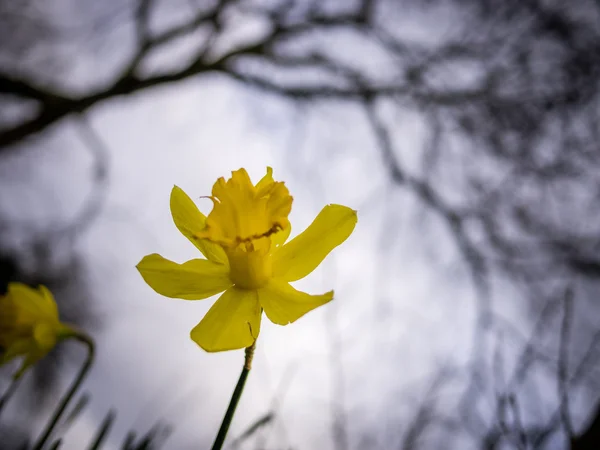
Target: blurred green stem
column 9, row 392
column 235, row 398
column 89, row 343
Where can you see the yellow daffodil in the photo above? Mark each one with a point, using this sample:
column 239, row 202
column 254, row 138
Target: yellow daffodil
column 243, row 240
column 29, row 324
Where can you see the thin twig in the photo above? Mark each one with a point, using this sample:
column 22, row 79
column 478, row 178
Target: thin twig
column 563, row 363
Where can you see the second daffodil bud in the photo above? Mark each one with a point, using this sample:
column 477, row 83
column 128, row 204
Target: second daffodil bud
column 29, row 325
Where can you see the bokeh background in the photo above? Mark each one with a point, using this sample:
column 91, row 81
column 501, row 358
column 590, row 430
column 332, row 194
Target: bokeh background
column 466, row 134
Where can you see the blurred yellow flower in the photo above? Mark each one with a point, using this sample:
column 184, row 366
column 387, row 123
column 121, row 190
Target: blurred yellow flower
column 243, row 240
column 29, row 325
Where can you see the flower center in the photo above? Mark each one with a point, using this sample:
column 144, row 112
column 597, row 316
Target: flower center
column 243, row 220
column 244, row 213
column 250, row 264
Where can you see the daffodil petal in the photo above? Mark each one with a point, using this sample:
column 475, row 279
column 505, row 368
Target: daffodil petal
column 233, row 322
column 190, row 222
column 305, row 252
column 32, row 302
column 49, row 299
column 283, row 304
column 279, row 238
column 193, row 280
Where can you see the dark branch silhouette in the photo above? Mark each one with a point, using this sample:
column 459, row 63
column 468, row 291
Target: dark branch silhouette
column 510, row 161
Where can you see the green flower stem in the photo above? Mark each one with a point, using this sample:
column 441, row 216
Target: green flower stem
column 89, row 343
column 235, row 398
column 12, row 388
